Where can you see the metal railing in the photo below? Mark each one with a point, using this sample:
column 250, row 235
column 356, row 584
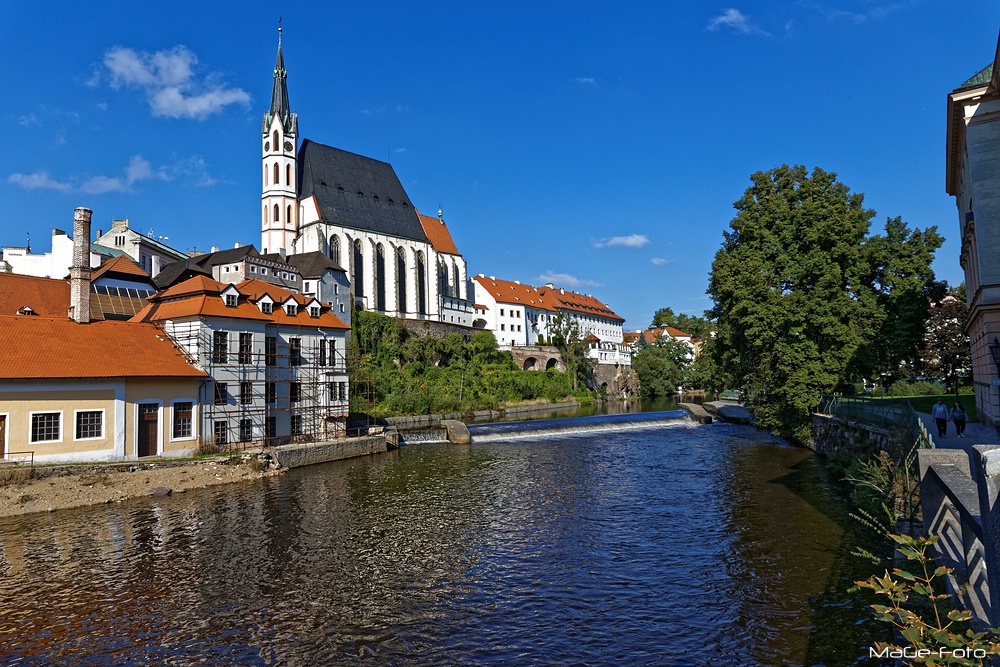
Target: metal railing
column 18, row 458
column 878, row 411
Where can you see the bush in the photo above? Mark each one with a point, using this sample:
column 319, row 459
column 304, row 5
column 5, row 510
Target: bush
column 902, row 388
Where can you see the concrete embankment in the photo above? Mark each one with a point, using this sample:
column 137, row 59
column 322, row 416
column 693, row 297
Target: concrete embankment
column 734, row 413
column 697, row 412
column 307, row 454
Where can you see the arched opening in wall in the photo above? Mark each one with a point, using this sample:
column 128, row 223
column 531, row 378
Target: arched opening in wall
column 277, row 178
column 277, row 213
column 479, row 324
column 265, row 175
column 443, row 288
column 401, row 280
column 288, row 174
column 455, row 282
column 530, row 363
column 335, row 249
column 421, row 284
column 380, row 278
column 551, row 363
column 288, row 215
column 604, row 387
column 357, row 270
column 274, row 142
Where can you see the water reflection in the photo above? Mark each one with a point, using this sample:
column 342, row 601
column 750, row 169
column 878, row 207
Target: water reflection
column 675, row 545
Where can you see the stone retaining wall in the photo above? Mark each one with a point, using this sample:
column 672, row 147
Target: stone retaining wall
column 296, row 456
column 832, row 435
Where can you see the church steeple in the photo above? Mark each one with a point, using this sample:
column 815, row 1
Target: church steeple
column 279, row 94
column 279, row 151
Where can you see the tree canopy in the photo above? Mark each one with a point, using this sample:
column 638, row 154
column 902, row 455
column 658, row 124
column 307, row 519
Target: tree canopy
column 690, row 324
column 801, row 293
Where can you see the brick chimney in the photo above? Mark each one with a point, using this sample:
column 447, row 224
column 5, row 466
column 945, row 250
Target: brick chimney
column 79, row 272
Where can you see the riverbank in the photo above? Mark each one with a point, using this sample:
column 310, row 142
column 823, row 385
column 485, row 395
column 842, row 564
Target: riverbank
column 80, row 486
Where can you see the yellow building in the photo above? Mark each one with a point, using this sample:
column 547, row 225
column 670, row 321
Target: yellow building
column 97, row 391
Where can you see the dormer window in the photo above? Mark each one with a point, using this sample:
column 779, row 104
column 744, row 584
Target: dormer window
column 231, row 300
column 292, row 309
column 314, row 311
column 265, row 307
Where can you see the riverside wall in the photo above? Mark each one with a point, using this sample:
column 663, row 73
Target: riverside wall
column 832, row 435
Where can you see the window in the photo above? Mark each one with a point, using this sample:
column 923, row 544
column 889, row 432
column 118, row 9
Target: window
column 246, row 394
column 322, row 352
column 294, row 351
column 305, row 285
column 314, row 311
column 182, row 419
column 288, row 174
column 246, row 430
column 336, row 289
column 45, row 427
column 331, row 392
column 294, row 392
column 220, row 393
column 503, row 327
column 292, row 309
column 501, row 312
column 230, row 299
column 220, row 347
column 265, row 306
column 263, row 271
column 271, row 351
column 271, row 427
column 342, row 309
column 296, row 424
column 293, row 277
column 89, row 424
column 246, row 348
column 253, row 269
column 219, row 430
column 342, row 390
column 270, row 392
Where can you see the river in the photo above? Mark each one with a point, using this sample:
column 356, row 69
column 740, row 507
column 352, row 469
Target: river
column 642, row 542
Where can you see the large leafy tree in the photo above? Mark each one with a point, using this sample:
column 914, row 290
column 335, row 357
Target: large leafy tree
column 691, row 324
column 794, row 294
column 946, row 350
column 661, row 366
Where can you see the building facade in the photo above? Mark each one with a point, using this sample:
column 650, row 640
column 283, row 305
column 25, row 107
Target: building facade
column 972, row 172
column 276, row 359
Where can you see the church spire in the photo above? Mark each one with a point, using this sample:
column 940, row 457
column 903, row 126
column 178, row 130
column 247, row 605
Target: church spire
column 279, row 94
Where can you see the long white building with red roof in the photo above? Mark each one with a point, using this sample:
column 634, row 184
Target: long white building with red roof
column 521, row 314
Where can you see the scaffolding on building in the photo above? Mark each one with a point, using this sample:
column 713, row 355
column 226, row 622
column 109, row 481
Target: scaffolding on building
column 297, row 385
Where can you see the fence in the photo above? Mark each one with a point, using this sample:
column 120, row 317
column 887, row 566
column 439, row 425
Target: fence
column 879, row 411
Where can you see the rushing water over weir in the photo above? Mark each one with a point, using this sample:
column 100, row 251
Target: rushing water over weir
column 641, row 542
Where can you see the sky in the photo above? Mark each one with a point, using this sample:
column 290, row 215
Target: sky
column 599, row 146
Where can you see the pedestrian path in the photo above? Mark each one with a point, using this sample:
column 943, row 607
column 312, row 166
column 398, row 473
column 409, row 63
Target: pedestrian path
column 976, row 433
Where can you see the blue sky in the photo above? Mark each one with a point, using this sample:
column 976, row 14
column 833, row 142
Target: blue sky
column 599, row 146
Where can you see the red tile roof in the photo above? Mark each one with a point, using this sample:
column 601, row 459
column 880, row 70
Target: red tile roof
column 202, row 296
column 505, row 291
column 46, row 296
column 121, row 265
column 56, row 348
column 581, row 303
column 437, row 232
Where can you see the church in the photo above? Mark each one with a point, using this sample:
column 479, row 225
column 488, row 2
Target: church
column 355, row 211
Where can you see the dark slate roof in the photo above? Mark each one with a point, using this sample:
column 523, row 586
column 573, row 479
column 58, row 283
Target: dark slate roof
column 179, row 271
column 311, row 265
column 357, row 192
column 228, row 256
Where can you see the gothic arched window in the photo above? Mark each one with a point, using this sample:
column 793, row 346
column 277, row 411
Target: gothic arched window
column 458, row 292
column 335, row 249
column 288, row 215
column 274, row 142
column 277, row 179
column 277, row 213
column 380, row 278
column 358, row 270
column 265, row 175
column 401, row 280
column 288, row 174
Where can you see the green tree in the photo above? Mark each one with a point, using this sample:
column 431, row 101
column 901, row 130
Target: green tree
column 661, row 366
column 793, row 293
column 900, row 274
column 690, row 324
column 946, row 352
column 564, row 334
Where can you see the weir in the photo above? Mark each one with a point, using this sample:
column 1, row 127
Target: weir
column 543, row 427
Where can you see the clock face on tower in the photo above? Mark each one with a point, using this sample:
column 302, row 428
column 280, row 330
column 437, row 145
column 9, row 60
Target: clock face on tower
column 288, row 146
column 267, row 145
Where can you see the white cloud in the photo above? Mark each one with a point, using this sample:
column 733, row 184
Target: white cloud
column 659, row 261
column 31, row 120
column 586, row 80
column 566, row 280
column 168, row 78
column 630, row 241
column 735, row 20
column 138, row 169
column 40, row 180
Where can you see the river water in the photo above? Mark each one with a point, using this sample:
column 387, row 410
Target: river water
column 648, row 541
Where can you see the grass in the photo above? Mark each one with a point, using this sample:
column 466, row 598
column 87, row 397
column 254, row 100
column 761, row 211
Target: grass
column 925, row 403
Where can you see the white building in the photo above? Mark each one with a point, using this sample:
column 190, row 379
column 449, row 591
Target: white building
column 522, row 314
column 149, row 253
column 54, row 264
column 277, row 359
column 972, row 174
column 354, row 210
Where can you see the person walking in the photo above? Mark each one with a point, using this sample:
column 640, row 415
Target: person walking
column 940, row 415
column 959, row 418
